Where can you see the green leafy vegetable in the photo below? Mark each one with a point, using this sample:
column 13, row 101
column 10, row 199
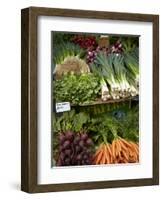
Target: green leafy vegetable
column 104, row 127
column 77, row 89
column 70, row 121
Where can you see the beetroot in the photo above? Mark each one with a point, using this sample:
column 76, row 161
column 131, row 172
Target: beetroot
column 81, row 143
column 84, row 136
column 62, row 138
column 66, row 144
column 68, row 152
column 69, row 135
column 74, row 149
column 89, row 142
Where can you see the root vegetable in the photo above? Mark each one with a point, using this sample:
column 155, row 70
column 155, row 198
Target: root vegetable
column 120, row 151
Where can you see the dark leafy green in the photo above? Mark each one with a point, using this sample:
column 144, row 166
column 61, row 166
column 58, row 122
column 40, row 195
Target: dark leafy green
column 70, row 121
column 77, row 89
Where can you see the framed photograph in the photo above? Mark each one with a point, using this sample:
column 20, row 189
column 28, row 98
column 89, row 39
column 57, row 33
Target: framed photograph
column 90, row 99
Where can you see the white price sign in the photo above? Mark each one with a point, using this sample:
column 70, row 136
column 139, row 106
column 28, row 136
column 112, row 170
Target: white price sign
column 62, row 107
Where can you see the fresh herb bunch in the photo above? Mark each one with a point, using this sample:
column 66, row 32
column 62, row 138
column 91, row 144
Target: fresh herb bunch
column 71, row 120
column 77, row 89
column 103, row 129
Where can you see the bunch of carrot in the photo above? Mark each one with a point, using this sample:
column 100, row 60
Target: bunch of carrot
column 103, row 154
column 120, row 151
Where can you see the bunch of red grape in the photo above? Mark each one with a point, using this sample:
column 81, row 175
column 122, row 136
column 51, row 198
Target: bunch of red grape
column 85, row 42
column 74, row 149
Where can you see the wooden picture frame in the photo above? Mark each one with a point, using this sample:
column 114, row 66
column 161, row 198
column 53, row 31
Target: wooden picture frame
column 29, row 87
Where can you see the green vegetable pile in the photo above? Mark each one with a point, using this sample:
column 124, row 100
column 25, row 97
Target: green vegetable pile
column 77, row 89
column 119, row 72
column 123, row 122
column 108, row 126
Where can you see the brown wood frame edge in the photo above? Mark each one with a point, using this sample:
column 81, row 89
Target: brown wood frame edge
column 29, row 99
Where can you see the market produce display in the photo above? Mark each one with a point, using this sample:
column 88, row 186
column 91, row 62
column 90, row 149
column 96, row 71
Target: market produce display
column 116, row 66
column 107, row 138
column 98, row 77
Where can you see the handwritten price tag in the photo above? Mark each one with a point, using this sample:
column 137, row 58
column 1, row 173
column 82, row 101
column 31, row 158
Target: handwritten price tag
column 62, row 107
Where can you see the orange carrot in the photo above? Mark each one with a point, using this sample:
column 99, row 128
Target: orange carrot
column 135, row 147
column 126, row 143
column 125, row 155
column 103, row 159
column 118, row 149
column 113, row 149
column 107, row 155
column 109, row 149
column 122, row 145
column 99, row 157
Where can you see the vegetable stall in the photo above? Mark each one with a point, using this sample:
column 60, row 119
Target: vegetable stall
column 98, row 77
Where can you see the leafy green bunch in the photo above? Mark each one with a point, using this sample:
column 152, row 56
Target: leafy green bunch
column 77, row 89
column 70, row 121
column 106, row 127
